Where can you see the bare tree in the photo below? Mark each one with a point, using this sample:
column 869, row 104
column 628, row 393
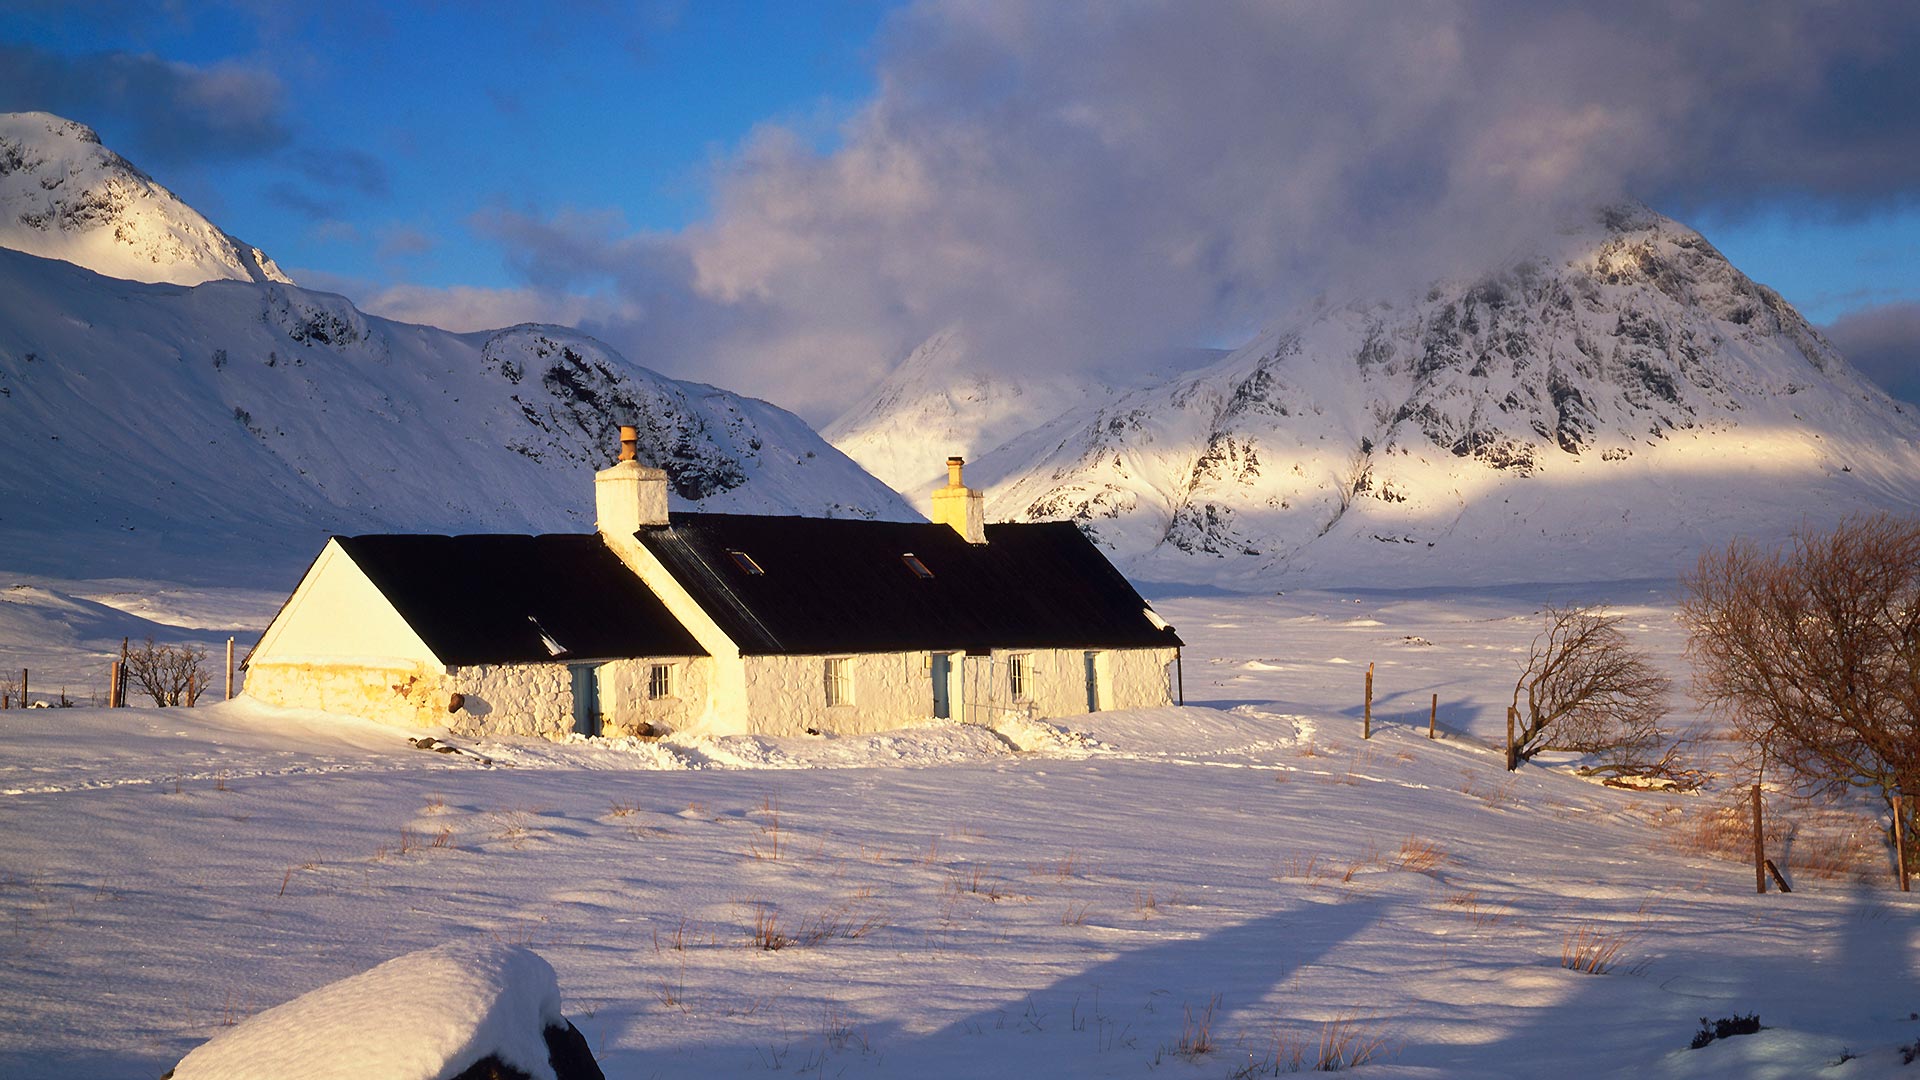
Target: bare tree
column 1586, row 689
column 1812, row 650
column 170, row 674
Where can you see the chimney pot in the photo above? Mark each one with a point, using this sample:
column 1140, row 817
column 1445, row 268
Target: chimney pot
column 954, row 465
column 629, row 442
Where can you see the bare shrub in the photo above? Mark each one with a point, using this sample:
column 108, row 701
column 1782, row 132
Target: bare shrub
column 1812, row 650
column 1587, row 690
column 1588, row 949
column 169, row 674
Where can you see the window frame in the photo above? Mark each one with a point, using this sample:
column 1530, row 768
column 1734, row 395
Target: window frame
column 1020, row 676
column 837, row 681
column 660, row 681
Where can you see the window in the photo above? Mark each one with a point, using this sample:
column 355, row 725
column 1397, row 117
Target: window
column 914, row 564
column 554, row 648
column 1020, row 676
column 839, row 682
column 745, row 562
column 660, row 682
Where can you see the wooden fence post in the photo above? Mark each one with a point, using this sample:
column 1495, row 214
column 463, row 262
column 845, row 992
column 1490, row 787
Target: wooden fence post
column 1433, row 714
column 113, row 685
column 1900, row 839
column 1513, row 762
column 1759, row 846
column 23, row 688
column 1366, row 719
column 229, row 669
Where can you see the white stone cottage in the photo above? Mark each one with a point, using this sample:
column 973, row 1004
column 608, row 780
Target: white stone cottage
column 724, row 623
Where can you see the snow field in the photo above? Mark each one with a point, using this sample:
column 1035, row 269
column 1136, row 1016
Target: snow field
column 1197, row 891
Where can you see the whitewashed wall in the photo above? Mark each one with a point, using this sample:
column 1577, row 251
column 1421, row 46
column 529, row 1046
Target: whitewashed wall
column 499, row 699
column 786, row 695
column 537, row 699
column 406, row 695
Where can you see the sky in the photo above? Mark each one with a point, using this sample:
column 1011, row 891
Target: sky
column 784, row 199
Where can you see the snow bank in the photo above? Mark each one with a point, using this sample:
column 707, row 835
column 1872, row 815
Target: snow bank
column 421, row 1016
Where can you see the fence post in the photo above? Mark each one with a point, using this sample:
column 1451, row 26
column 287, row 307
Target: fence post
column 1433, row 714
column 1900, row 839
column 1512, row 762
column 1366, row 719
column 229, row 669
column 23, row 688
column 1759, row 847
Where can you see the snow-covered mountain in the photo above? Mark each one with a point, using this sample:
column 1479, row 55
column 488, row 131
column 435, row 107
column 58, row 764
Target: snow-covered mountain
column 1599, row 409
column 942, row 400
column 65, row 196
column 167, row 431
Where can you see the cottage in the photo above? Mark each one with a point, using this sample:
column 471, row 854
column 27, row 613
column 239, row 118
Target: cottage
column 723, row 623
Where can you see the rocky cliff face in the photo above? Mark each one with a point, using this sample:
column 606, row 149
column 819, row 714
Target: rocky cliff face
column 1598, row 408
column 65, row 196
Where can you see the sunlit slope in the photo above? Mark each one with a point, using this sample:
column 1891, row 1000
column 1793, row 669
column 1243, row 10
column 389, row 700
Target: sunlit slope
column 1598, row 409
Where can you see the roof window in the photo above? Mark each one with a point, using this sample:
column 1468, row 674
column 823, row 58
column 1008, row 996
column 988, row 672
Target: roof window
column 554, row 648
column 745, row 562
column 914, row 564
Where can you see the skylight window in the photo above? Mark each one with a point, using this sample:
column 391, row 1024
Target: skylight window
column 914, row 564
column 554, row 648
column 745, row 562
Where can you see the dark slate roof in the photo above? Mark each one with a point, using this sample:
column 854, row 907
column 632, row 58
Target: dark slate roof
column 470, row 597
column 840, row 585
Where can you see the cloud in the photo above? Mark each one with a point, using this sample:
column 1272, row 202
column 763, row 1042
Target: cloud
column 1080, row 185
column 459, row 308
column 1883, row 343
column 158, row 110
column 341, row 168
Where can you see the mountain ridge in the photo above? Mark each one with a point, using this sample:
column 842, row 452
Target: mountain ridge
column 64, row 195
column 1495, row 427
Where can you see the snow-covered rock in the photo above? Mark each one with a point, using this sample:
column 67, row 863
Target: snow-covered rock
column 428, row 1015
column 1597, row 409
column 65, row 196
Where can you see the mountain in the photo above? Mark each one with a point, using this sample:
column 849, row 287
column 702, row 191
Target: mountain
column 65, row 196
column 1599, row 409
column 941, row 400
column 164, row 431
column 945, row 398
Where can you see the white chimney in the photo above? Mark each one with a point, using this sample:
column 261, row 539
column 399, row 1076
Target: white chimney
column 960, row 506
column 629, row 495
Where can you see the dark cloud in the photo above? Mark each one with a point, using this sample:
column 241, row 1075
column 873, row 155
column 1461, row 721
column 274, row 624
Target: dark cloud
column 153, row 110
column 302, row 202
column 1884, row 344
column 1081, row 184
column 341, row 168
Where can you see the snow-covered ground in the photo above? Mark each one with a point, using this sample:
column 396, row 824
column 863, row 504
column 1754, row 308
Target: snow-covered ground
column 1186, row 892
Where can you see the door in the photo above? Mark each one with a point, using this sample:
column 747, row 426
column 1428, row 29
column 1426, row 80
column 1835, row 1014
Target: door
column 1093, row 682
column 942, row 673
column 586, row 697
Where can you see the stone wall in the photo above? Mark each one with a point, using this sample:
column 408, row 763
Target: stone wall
column 410, row 696
column 786, row 695
column 497, row 699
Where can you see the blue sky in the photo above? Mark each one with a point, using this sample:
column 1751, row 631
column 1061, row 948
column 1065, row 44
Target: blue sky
column 785, row 197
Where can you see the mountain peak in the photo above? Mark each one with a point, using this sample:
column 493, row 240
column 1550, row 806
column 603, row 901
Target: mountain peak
column 65, row 195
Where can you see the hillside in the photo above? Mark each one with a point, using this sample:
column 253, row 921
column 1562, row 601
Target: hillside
column 225, row 430
column 65, row 196
column 1596, row 410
